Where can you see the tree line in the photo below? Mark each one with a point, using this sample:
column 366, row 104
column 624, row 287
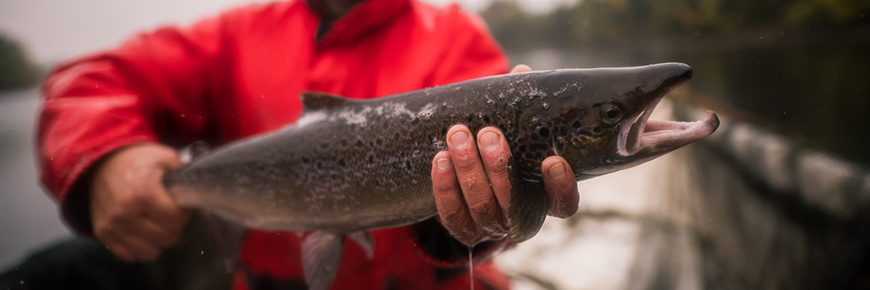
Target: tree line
column 590, row 21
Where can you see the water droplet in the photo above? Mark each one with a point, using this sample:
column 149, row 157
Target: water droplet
column 202, row 252
column 546, row 106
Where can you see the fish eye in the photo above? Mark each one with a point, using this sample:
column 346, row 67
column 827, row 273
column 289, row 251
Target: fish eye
column 611, row 113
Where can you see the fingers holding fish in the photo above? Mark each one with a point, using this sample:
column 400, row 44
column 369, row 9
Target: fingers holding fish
column 495, row 154
column 561, row 187
column 131, row 213
column 521, row 68
column 473, row 192
column 452, row 211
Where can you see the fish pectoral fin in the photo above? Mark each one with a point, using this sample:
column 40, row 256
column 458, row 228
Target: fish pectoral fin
column 230, row 237
column 527, row 210
column 365, row 241
column 321, row 254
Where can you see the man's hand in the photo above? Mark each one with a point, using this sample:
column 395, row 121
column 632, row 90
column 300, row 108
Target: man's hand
column 472, row 188
column 131, row 212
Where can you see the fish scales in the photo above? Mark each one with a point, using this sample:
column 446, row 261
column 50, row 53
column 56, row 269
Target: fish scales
column 373, row 155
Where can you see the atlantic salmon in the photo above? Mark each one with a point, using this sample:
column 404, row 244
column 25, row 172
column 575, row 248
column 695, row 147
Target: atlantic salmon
column 349, row 166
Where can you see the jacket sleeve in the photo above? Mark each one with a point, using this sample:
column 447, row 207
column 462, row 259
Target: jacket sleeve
column 151, row 88
column 471, row 53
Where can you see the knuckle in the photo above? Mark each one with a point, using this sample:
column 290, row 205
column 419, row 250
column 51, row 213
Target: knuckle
column 464, row 163
column 473, row 183
column 442, row 187
column 483, row 207
column 139, row 198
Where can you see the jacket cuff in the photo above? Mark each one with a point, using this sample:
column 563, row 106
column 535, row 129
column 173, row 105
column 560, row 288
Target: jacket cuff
column 442, row 250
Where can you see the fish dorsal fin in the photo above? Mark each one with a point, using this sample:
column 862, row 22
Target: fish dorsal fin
column 315, row 101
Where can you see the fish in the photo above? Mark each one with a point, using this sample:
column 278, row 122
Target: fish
column 349, row 166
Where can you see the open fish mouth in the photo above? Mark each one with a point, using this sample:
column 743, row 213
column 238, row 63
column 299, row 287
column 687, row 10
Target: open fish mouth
column 642, row 136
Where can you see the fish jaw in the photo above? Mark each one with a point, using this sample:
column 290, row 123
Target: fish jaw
column 641, row 139
column 645, row 137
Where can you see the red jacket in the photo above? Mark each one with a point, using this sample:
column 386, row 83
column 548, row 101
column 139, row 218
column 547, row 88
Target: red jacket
column 240, row 74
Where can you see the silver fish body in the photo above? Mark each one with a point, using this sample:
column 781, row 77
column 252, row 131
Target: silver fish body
column 351, row 166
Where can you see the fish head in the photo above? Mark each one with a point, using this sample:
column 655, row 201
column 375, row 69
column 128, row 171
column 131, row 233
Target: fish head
column 602, row 122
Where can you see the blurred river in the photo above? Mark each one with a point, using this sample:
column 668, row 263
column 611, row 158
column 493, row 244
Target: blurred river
column 28, row 216
column 777, row 198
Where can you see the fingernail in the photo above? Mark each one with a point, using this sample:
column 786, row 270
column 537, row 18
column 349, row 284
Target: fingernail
column 459, row 140
column 489, row 141
column 443, row 164
column 557, row 171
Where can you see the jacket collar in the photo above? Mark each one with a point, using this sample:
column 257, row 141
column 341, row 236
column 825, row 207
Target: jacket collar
column 365, row 18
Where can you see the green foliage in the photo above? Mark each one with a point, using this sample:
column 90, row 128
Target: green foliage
column 16, row 70
column 591, row 21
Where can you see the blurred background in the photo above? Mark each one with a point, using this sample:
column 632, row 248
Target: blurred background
column 777, row 198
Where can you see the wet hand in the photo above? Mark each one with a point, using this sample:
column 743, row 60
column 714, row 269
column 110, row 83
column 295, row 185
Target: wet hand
column 131, row 212
column 472, row 188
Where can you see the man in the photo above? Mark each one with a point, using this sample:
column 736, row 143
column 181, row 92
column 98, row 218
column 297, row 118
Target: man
column 110, row 122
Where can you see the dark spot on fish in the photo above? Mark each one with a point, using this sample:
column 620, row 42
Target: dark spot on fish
column 324, row 145
column 386, row 124
column 444, row 131
column 371, row 143
column 378, row 118
column 577, row 124
column 359, row 143
column 314, row 150
column 396, row 136
column 319, row 165
column 444, row 106
column 415, row 121
column 502, row 127
column 343, row 142
column 504, row 107
column 538, row 148
column 522, row 148
column 544, row 132
column 596, row 129
column 371, row 159
column 408, row 164
column 469, row 118
column 380, row 141
column 486, row 118
column 342, row 163
column 305, row 160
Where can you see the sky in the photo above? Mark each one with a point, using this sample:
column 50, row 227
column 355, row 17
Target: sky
column 54, row 30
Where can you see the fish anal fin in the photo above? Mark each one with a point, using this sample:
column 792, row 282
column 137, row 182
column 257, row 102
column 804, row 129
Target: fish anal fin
column 314, row 101
column 365, row 241
column 321, row 254
column 230, row 237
